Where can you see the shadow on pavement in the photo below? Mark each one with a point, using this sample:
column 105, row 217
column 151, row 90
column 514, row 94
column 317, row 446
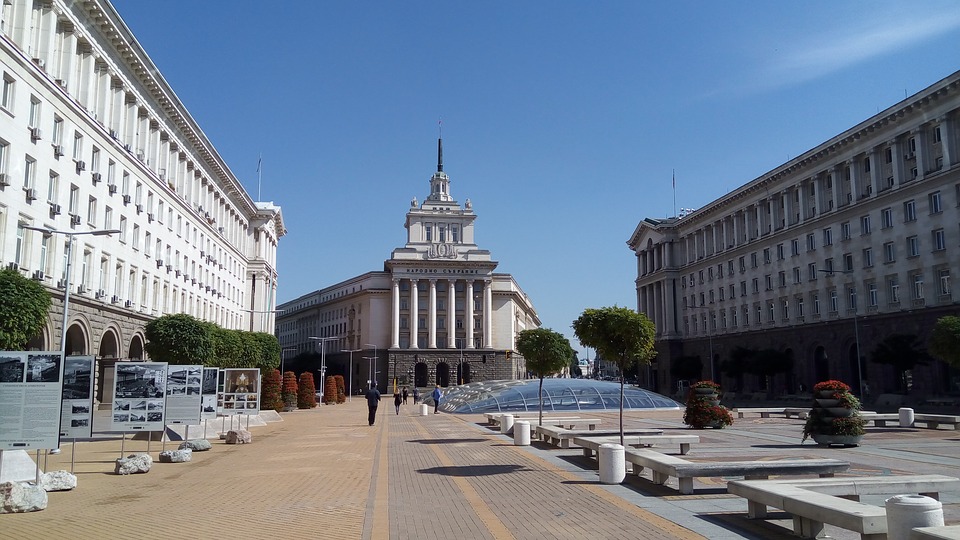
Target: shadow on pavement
column 446, row 441
column 474, row 470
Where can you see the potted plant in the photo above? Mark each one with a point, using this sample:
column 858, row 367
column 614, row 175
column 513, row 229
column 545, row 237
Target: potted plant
column 703, row 407
column 289, row 391
column 835, row 417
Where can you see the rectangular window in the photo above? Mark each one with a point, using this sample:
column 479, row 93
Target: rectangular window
column 753, row 260
column 797, row 277
column 107, row 217
column 944, row 282
column 816, row 303
column 828, row 236
column 893, row 290
column 53, row 187
column 454, row 234
column 136, row 237
column 768, row 282
column 834, row 301
column 766, row 255
column 92, row 211
column 866, row 164
column 939, row 240
column 795, row 247
column 865, row 225
column 77, row 146
column 33, row 120
column 872, row 293
column 812, row 271
column 913, row 246
column 886, row 218
column 782, row 278
column 848, row 262
column 756, row 285
column 867, row 257
column 29, row 172
column 6, row 96
column 936, row 205
column 780, row 252
column 123, row 230
column 918, row 286
column 909, row 211
column 429, row 231
column 845, row 230
column 889, row 252
column 828, row 265
column 798, row 301
column 57, row 138
column 743, row 263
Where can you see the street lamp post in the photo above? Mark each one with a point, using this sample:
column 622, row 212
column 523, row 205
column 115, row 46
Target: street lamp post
column 323, row 360
column 66, row 288
column 709, row 339
column 282, row 357
column 350, row 375
column 373, row 363
column 261, row 312
column 856, row 329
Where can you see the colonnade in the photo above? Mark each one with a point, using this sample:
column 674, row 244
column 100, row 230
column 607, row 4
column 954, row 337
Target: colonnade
column 450, row 312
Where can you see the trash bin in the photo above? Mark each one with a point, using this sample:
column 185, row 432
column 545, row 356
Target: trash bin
column 612, row 463
column 906, row 417
column 904, row 512
column 506, row 424
column 423, row 409
column 521, row 433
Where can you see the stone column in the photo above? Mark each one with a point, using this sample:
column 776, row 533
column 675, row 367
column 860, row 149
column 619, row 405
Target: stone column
column 432, row 316
column 451, row 314
column 923, row 161
column 487, row 313
column 395, row 317
column 947, row 141
column 468, row 305
column 414, row 314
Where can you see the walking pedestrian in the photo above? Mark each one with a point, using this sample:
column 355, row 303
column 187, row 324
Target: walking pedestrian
column 396, row 401
column 405, row 394
column 373, row 400
column 416, row 395
column 437, row 395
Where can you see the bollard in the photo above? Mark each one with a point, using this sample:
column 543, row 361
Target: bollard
column 423, row 409
column 904, row 512
column 612, row 464
column 906, row 417
column 521, row 433
column 506, row 424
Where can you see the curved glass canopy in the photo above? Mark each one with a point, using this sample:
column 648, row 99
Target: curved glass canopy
column 558, row 395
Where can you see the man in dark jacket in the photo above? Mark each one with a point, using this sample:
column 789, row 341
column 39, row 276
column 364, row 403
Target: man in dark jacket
column 373, row 399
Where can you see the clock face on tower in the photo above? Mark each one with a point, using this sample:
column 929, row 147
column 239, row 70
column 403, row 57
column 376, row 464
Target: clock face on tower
column 443, row 250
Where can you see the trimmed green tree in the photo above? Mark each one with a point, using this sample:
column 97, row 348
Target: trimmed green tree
column 945, row 340
column 24, row 305
column 546, row 352
column 903, row 352
column 180, row 339
column 270, row 392
column 330, row 391
column 620, row 335
column 289, row 391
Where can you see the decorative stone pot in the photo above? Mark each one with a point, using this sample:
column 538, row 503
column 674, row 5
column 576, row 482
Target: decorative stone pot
column 840, row 412
column 826, row 394
column 704, row 391
column 827, row 403
column 837, row 440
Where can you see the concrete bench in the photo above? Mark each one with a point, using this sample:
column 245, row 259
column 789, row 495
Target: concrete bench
column 799, row 412
column 764, row 412
column 880, row 420
column 559, row 436
column 934, row 421
column 816, row 501
column 494, row 418
column 664, row 466
column 592, row 444
column 947, row 532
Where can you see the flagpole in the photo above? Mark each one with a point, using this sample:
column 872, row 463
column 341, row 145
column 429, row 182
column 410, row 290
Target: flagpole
column 260, row 175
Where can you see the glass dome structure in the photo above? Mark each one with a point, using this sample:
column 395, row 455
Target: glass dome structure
column 558, row 395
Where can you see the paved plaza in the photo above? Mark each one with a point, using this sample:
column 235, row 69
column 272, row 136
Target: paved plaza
column 325, row 473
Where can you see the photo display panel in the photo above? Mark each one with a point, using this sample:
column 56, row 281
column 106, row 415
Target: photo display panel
column 30, row 395
column 183, row 394
column 76, row 411
column 208, row 393
column 241, row 391
column 138, row 396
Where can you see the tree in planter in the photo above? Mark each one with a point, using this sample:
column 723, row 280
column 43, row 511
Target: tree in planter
column 768, row 363
column 703, row 407
column 24, row 305
column 945, row 340
column 619, row 335
column 330, row 391
column 903, row 352
column 835, row 413
column 270, row 393
column 738, row 364
column 341, row 389
column 289, row 391
column 306, row 392
column 546, row 352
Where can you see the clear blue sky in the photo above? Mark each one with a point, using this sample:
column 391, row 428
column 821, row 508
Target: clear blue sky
column 562, row 120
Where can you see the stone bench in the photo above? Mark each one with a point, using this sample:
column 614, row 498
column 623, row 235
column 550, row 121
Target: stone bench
column 592, row 444
column 814, row 502
column 947, row 532
column 880, row 420
column 664, row 466
column 799, row 412
column 559, row 436
column 934, row 421
column 493, row 419
column 764, row 412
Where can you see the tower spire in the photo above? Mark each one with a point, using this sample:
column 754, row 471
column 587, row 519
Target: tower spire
column 440, row 146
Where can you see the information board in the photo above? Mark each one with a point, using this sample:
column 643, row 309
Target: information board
column 138, row 396
column 30, row 395
column 76, row 410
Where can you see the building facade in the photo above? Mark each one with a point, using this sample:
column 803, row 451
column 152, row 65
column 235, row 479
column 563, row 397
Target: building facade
column 92, row 138
column 820, row 258
column 438, row 313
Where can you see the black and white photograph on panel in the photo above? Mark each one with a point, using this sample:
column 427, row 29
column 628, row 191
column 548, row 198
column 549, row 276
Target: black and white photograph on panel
column 183, row 394
column 139, row 387
column 43, row 368
column 30, row 396
column 76, row 413
column 241, row 391
column 12, row 368
column 208, row 393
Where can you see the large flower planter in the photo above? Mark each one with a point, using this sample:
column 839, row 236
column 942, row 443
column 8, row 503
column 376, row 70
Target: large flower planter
column 837, row 440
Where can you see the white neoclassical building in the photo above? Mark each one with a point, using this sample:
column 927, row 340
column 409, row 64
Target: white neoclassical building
column 438, row 312
column 92, row 138
column 822, row 257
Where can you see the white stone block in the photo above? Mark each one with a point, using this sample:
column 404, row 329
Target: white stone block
column 134, row 464
column 58, row 481
column 17, row 497
column 176, row 456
